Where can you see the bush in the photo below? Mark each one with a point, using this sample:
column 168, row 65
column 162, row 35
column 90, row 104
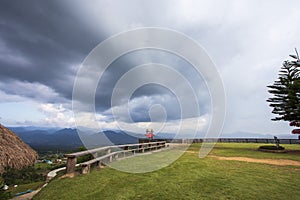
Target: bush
column 84, row 158
column 27, row 175
column 57, row 166
column 3, row 194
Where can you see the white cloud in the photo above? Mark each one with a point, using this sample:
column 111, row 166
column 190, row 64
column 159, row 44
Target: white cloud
column 56, row 115
column 32, row 101
column 99, row 122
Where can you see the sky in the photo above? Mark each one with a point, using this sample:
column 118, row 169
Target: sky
column 44, row 43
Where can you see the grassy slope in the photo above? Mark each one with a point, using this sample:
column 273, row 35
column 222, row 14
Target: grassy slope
column 188, row 178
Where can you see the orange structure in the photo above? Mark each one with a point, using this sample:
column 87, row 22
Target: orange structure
column 149, row 133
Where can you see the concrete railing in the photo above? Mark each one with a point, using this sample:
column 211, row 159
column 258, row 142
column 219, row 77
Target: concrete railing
column 238, row 140
column 249, row 140
column 108, row 154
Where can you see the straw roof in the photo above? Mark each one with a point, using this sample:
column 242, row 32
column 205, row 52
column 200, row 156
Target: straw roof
column 14, row 153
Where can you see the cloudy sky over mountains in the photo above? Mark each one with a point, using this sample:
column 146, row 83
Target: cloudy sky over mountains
column 43, row 43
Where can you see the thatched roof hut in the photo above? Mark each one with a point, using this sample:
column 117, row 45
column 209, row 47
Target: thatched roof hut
column 14, row 153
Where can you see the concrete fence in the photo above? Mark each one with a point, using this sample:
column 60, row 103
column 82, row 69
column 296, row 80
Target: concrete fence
column 107, row 154
column 238, row 140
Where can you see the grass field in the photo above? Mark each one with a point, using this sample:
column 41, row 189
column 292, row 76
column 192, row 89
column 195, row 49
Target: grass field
column 189, row 178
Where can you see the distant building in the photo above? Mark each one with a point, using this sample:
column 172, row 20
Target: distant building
column 149, row 133
column 48, row 161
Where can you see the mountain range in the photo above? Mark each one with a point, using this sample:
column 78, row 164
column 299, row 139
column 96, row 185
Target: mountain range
column 42, row 139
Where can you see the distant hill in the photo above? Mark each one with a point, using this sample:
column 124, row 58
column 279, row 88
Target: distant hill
column 68, row 138
column 120, row 137
column 241, row 134
column 65, row 139
column 238, row 134
column 34, row 128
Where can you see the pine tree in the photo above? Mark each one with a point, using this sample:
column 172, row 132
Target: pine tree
column 286, row 91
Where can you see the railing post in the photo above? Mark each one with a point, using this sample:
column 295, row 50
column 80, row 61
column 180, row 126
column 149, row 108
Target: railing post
column 108, row 151
column 71, row 162
column 95, row 155
column 143, row 149
column 98, row 164
column 86, row 169
column 125, row 148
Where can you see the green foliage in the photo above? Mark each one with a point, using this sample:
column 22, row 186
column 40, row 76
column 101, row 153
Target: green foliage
column 53, row 167
column 286, row 91
column 82, row 148
column 2, row 183
column 3, row 194
column 45, row 168
column 26, row 175
column 84, row 158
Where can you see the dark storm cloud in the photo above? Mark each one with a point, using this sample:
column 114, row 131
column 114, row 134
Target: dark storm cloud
column 141, row 106
column 125, row 63
column 41, row 42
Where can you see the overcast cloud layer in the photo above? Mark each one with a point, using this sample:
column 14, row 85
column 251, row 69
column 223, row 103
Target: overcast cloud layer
column 43, row 43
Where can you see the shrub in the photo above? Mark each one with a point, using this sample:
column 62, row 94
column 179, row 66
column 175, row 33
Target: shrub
column 26, row 175
column 84, row 158
column 3, row 194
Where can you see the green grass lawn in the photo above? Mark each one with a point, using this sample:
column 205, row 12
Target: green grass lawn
column 188, row 178
column 250, row 150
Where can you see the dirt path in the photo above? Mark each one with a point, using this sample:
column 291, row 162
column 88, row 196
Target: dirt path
column 281, row 162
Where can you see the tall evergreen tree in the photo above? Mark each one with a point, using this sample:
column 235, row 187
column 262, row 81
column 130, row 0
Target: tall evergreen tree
column 286, row 91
